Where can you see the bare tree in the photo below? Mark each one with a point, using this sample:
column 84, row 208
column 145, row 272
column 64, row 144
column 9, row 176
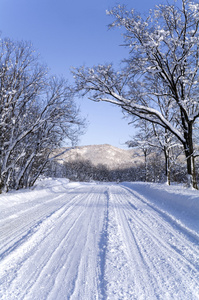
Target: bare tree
column 143, row 141
column 37, row 113
column 163, row 64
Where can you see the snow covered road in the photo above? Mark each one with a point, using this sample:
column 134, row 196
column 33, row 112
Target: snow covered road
column 99, row 241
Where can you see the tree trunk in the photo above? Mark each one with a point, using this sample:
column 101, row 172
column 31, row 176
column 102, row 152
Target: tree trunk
column 188, row 146
column 145, row 165
column 168, row 171
column 23, row 170
column 194, row 178
column 167, row 166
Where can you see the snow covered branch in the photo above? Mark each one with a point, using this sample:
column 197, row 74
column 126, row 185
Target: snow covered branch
column 37, row 112
column 162, row 68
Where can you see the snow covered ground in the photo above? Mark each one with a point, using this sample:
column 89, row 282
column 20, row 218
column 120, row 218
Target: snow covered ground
column 88, row 241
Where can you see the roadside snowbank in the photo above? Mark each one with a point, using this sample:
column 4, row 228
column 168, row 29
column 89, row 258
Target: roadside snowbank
column 177, row 201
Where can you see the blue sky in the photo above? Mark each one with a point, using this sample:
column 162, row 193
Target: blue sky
column 73, row 33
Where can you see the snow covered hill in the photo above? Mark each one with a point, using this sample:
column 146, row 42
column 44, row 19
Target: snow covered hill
column 107, row 155
column 88, row 241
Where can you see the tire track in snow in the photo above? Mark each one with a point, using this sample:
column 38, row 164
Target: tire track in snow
column 69, row 266
column 55, row 262
column 14, row 230
column 24, row 231
column 136, row 227
column 138, row 284
column 17, row 262
column 171, row 232
column 89, row 263
column 103, row 243
column 189, row 234
column 164, row 261
column 86, row 279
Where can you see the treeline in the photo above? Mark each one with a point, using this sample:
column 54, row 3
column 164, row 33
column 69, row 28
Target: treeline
column 84, row 170
column 37, row 113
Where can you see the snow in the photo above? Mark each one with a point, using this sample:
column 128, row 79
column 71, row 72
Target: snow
column 64, row 240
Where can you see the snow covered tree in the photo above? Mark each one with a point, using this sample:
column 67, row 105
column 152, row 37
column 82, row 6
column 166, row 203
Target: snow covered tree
column 142, row 140
column 37, row 113
column 170, row 147
column 163, row 63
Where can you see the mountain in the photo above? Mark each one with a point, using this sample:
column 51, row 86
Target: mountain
column 110, row 156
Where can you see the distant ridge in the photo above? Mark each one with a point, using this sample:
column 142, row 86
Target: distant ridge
column 110, row 156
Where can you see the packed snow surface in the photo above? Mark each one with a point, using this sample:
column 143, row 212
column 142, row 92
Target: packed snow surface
column 86, row 241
